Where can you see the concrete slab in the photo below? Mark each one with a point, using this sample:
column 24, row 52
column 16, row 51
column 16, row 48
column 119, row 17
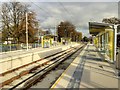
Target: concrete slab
column 92, row 79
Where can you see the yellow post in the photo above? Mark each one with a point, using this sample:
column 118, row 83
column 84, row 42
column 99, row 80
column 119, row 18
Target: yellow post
column 111, row 43
column 42, row 41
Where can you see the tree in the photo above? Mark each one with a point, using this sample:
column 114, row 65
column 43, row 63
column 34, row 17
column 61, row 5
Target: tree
column 11, row 15
column 78, row 36
column 13, row 21
column 32, row 29
column 112, row 20
column 65, row 29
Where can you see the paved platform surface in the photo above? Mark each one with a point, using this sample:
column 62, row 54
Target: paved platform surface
column 89, row 70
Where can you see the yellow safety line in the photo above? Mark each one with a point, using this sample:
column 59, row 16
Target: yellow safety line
column 60, row 77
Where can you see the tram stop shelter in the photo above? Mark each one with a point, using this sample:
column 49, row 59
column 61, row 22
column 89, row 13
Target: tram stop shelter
column 47, row 40
column 105, row 39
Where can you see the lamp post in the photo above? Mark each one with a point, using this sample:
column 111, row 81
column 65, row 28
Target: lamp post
column 27, row 30
column 39, row 34
column 38, row 37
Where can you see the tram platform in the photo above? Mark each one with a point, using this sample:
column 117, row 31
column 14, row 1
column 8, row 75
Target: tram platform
column 15, row 59
column 12, row 73
column 33, row 50
column 89, row 70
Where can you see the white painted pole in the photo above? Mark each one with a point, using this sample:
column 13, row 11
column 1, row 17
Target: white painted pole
column 115, row 41
column 27, row 30
column 38, row 37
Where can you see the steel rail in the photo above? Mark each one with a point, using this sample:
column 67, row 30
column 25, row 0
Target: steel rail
column 51, row 66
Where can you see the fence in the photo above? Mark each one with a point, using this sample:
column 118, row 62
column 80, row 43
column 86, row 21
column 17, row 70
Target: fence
column 13, row 47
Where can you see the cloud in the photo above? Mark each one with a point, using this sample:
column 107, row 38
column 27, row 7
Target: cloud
column 61, row 0
column 51, row 13
column 77, row 13
column 51, row 22
column 55, row 11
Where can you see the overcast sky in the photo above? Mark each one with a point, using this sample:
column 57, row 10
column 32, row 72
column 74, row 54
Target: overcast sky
column 61, row 0
column 51, row 14
column 78, row 12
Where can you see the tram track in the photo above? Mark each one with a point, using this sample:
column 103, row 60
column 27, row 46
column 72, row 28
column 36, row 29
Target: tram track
column 39, row 70
column 50, row 77
column 29, row 68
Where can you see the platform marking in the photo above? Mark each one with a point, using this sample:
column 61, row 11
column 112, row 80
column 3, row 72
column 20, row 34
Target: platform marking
column 76, row 77
column 62, row 75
